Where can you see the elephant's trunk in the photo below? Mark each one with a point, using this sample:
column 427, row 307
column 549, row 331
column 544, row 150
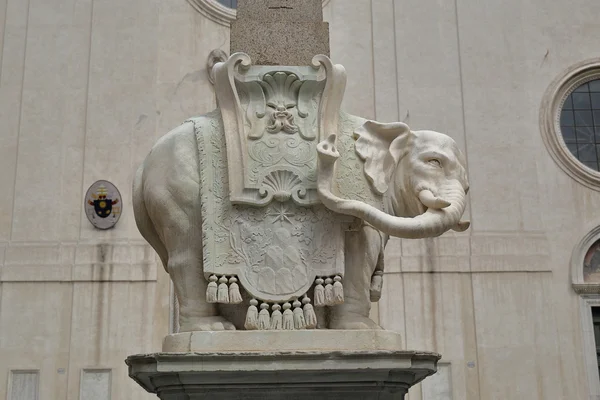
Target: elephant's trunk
column 433, row 222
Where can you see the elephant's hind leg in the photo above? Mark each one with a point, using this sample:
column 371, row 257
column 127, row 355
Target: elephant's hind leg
column 181, row 233
column 171, row 192
column 195, row 314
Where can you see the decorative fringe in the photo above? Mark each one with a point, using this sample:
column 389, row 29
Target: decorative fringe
column 299, row 322
column 252, row 316
column 276, row 318
column 309, row 314
column 288, row 317
column 319, row 293
column 329, row 292
column 223, row 293
column 264, row 319
column 338, row 290
column 211, row 290
column 292, row 315
column 234, row 291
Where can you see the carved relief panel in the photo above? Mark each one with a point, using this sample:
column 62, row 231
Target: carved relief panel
column 273, row 118
column 275, row 251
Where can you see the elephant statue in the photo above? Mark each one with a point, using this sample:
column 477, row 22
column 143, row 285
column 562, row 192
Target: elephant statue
column 417, row 178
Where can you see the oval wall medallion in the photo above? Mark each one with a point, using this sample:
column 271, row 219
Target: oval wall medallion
column 103, row 204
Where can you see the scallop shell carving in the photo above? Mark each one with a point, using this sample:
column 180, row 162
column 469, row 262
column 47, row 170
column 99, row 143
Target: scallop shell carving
column 281, row 88
column 281, row 184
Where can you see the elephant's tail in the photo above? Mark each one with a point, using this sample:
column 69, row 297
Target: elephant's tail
column 142, row 218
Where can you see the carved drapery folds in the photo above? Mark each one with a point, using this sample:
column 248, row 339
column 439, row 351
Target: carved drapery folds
column 274, row 116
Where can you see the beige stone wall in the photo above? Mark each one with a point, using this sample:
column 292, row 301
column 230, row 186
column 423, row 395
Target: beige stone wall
column 496, row 301
column 86, row 87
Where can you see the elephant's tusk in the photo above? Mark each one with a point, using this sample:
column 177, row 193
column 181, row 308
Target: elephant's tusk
column 461, row 226
column 431, row 201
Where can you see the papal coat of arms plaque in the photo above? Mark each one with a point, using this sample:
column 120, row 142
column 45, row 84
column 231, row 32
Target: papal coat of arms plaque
column 103, row 204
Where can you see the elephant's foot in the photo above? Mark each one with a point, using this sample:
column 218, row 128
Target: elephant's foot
column 352, row 321
column 191, row 324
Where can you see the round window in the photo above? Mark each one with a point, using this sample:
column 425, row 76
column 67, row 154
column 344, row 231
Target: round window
column 229, row 3
column 580, row 123
column 570, row 122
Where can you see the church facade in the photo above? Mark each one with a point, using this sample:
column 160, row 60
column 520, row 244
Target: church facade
column 87, row 87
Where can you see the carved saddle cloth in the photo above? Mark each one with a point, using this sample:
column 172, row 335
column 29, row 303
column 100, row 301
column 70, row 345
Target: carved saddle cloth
column 276, row 251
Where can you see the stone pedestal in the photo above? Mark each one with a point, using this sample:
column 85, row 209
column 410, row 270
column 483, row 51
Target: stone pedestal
column 311, row 365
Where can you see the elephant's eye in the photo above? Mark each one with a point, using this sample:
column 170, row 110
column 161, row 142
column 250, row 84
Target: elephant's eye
column 435, row 162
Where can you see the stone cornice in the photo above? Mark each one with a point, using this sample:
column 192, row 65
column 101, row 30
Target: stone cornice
column 586, row 288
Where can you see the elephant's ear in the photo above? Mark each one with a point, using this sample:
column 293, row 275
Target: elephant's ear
column 381, row 146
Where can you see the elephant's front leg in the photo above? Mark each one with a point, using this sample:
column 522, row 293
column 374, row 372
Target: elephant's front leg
column 361, row 254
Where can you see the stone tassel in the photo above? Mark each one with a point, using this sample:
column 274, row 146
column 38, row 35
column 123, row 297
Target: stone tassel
column 252, row 316
column 223, row 293
column 288, row 317
column 264, row 319
column 309, row 314
column 329, row 292
column 319, row 293
column 299, row 322
column 234, row 291
column 338, row 290
column 276, row 318
column 211, row 290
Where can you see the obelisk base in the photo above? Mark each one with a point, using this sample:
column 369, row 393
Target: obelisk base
column 273, row 374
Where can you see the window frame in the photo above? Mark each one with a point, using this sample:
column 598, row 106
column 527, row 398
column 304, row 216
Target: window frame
column 589, row 296
column 552, row 103
column 221, row 2
column 589, row 342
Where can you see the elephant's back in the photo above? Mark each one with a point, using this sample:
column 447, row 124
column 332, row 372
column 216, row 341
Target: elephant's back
column 179, row 141
column 176, row 155
column 171, row 172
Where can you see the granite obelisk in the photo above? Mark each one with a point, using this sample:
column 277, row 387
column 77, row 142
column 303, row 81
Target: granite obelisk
column 280, row 32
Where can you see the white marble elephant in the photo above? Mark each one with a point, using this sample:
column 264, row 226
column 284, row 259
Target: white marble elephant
column 420, row 174
column 420, row 177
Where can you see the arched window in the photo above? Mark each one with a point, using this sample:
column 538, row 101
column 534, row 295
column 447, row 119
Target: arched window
column 585, row 280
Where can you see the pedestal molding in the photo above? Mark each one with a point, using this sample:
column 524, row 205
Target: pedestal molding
column 301, row 375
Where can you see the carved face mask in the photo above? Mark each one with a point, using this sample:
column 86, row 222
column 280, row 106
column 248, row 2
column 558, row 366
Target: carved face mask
column 280, row 119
